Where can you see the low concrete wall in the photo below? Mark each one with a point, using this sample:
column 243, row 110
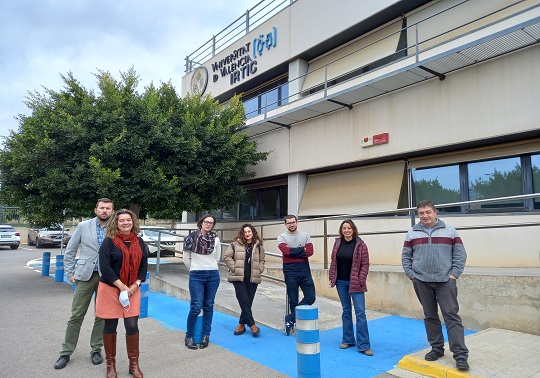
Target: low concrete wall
column 162, row 286
column 486, row 300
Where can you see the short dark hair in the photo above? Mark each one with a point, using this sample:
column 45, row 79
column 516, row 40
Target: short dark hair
column 201, row 220
column 104, row 200
column 290, row 216
column 426, row 203
column 353, row 226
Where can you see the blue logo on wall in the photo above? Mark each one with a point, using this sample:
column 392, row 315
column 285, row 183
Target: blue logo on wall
column 269, row 40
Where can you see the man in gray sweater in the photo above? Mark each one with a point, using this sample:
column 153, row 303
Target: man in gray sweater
column 433, row 257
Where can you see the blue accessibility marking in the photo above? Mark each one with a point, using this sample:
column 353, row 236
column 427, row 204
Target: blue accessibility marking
column 391, row 337
column 154, row 262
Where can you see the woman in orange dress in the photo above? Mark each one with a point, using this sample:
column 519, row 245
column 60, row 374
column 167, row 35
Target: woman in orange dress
column 123, row 263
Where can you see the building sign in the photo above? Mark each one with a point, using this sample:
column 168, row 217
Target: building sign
column 199, row 80
column 242, row 62
column 375, row 140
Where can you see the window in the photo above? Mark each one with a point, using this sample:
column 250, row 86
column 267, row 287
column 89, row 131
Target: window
column 478, row 180
column 230, row 214
column 495, row 178
column 267, row 98
column 265, row 203
column 535, row 163
column 251, row 107
column 248, row 205
column 440, row 185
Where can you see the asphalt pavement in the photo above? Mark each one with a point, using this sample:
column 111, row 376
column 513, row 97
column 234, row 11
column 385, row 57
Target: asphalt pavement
column 35, row 310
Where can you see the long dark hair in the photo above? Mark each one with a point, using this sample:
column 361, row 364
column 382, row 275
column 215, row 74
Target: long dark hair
column 353, row 226
column 242, row 239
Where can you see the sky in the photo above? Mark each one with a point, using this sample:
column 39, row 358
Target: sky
column 42, row 39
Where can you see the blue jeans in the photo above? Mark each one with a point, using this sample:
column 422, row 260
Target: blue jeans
column 203, row 285
column 362, row 334
column 308, row 288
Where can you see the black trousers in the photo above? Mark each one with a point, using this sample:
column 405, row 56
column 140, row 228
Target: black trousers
column 443, row 294
column 245, row 293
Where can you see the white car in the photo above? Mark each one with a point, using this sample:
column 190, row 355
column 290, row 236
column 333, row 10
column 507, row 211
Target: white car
column 9, row 236
column 150, row 235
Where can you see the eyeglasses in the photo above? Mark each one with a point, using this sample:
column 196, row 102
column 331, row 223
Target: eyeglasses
column 207, row 222
column 123, row 211
column 290, row 223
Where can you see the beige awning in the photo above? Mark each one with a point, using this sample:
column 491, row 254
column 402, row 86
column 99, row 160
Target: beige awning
column 353, row 191
column 362, row 52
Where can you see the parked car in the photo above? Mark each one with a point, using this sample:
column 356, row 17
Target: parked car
column 9, row 236
column 51, row 236
column 150, row 235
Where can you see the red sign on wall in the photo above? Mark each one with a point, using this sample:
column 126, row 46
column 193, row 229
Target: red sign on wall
column 380, row 139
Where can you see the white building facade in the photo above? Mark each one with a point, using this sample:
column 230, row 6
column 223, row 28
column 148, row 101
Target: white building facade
column 368, row 107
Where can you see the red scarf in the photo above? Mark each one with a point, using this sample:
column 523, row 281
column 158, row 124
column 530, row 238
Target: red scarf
column 131, row 258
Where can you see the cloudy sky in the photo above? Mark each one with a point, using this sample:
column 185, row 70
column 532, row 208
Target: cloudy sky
column 41, row 39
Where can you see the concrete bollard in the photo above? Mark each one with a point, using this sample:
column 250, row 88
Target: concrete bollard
column 197, row 333
column 59, row 273
column 307, row 342
column 144, row 296
column 45, row 263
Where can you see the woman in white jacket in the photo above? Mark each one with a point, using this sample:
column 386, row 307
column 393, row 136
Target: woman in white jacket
column 202, row 250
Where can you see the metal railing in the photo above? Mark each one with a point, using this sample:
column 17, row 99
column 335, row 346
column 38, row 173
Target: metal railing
column 359, row 71
column 411, row 211
column 235, row 30
column 326, row 235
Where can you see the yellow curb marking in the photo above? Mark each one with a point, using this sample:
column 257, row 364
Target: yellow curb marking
column 432, row 369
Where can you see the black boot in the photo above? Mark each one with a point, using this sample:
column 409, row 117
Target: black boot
column 190, row 343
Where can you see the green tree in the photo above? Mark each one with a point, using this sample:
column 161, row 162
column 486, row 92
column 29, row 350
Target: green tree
column 434, row 191
column 498, row 184
column 151, row 151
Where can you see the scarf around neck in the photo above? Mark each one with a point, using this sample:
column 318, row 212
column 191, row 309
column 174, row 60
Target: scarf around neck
column 131, row 258
column 200, row 244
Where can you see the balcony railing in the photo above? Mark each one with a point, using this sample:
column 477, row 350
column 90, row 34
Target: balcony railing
column 235, row 30
column 481, row 49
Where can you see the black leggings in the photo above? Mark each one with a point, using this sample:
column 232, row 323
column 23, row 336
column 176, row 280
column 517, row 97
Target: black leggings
column 131, row 325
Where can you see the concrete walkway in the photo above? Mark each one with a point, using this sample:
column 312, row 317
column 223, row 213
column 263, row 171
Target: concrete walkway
column 399, row 343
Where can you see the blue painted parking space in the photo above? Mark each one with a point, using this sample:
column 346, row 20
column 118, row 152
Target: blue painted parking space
column 391, row 338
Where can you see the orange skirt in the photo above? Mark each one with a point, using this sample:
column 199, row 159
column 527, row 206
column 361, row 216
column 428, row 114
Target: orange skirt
column 108, row 305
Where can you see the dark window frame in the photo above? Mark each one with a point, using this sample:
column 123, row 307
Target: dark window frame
column 528, row 205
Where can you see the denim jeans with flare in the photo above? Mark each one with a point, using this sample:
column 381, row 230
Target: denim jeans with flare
column 358, row 300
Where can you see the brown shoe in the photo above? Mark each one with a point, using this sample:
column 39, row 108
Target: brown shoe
column 255, row 330
column 343, row 346
column 367, row 352
column 240, row 329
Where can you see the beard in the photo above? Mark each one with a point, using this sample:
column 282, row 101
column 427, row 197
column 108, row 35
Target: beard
column 104, row 217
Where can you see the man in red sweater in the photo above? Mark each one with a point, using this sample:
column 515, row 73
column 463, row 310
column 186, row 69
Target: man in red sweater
column 296, row 247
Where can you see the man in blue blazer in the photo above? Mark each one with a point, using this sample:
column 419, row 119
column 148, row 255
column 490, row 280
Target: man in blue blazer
column 86, row 239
